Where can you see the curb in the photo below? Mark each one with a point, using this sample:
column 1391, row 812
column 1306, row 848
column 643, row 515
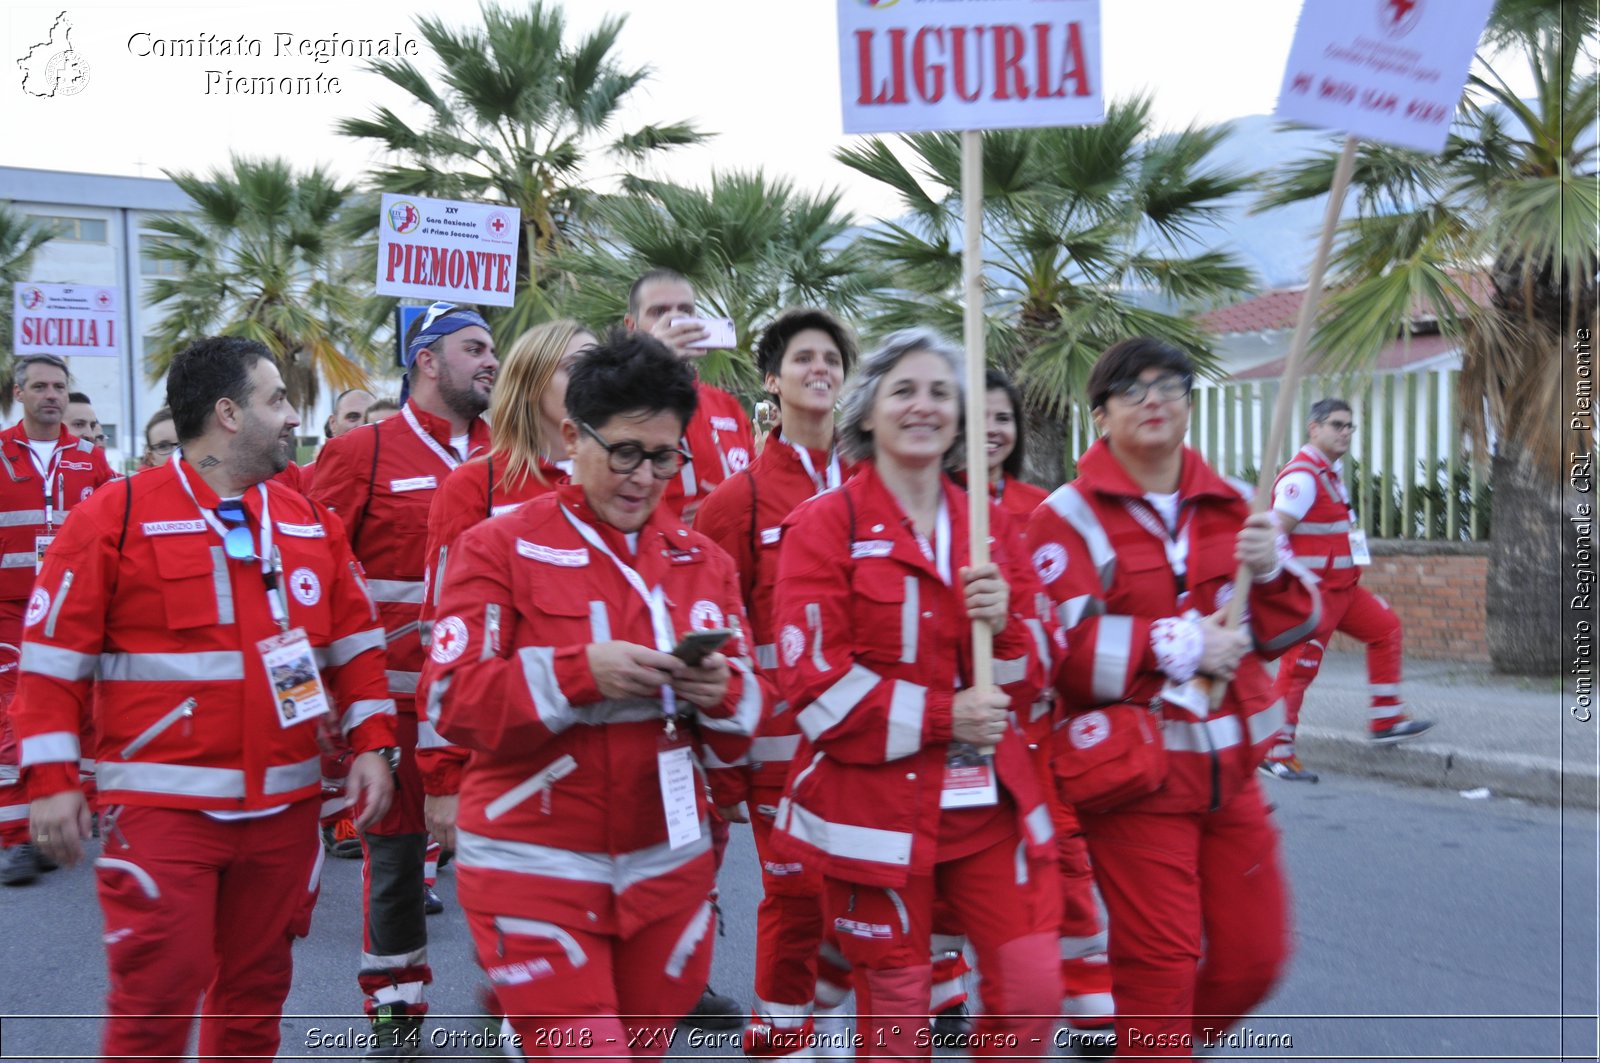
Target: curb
column 1545, row 780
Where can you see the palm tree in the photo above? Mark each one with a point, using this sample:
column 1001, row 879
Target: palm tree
column 19, row 239
column 258, row 258
column 1512, row 199
column 1085, row 232
column 751, row 245
column 516, row 115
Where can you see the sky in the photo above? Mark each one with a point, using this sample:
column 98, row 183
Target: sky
column 762, row 75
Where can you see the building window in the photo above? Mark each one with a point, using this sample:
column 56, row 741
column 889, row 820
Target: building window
column 151, row 266
column 72, row 230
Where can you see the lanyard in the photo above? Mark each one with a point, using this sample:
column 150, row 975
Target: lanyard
column 1175, row 545
column 49, row 474
column 271, row 562
column 821, row 484
column 450, row 460
column 655, row 601
column 939, row 554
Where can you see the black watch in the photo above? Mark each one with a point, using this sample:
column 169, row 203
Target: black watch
column 390, row 754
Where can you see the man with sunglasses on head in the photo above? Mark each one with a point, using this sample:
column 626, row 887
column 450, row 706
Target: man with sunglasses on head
column 381, row 480
column 1312, row 504
column 48, row 471
column 223, row 623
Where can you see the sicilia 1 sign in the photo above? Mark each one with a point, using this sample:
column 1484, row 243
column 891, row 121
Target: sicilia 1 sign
column 916, row 65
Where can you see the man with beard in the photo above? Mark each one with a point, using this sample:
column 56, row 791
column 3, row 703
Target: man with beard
column 381, row 479
column 48, row 471
column 199, row 598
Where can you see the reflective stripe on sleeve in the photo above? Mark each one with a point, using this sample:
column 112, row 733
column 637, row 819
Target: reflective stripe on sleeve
column 835, row 703
column 774, row 749
column 397, row 591
column 168, row 667
column 21, row 518
column 23, row 560
column 342, row 651
column 908, row 706
column 58, row 662
column 746, row 713
column 539, row 672
column 1263, row 726
column 1040, row 826
column 53, row 747
column 1071, row 507
column 767, row 657
column 1008, row 670
column 360, row 712
column 402, row 682
column 1338, row 527
column 1113, row 649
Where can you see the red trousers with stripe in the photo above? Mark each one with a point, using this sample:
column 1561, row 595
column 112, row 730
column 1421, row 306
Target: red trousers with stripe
column 570, row 992
column 1199, row 914
column 196, row 906
column 1010, row 909
column 1365, row 617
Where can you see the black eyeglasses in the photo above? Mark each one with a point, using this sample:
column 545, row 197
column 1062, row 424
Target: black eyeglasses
column 1170, row 387
column 623, row 458
column 163, row 448
column 1341, row 426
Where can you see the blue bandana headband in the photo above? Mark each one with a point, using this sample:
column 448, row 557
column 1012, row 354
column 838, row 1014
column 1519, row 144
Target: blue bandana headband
column 441, row 320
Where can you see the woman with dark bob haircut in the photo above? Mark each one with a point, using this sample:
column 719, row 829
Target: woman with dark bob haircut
column 913, row 785
column 1139, row 554
column 582, row 839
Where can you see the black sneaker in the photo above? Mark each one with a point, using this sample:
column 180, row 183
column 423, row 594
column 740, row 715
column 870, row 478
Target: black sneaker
column 19, row 864
column 715, row 1012
column 1290, row 770
column 954, row 1021
column 431, row 903
column 1402, row 729
column 396, row 1034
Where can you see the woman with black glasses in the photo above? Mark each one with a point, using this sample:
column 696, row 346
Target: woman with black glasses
column 575, row 653
column 1139, row 554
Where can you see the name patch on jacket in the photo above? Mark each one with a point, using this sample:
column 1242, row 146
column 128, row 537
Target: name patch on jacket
column 858, row 929
column 80, row 466
column 551, row 556
column 303, row 531
column 172, row 527
column 771, row 535
column 724, row 424
column 872, row 548
column 414, row 483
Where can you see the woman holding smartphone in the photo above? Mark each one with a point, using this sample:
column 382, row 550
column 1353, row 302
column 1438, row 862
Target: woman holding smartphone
column 582, row 838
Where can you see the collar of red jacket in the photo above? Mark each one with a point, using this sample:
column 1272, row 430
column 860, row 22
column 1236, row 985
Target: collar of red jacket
column 18, row 435
column 878, row 502
column 439, row 428
column 203, row 494
column 660, row 522
column 1315, row 455
column 783, row 453
column 1100, row 471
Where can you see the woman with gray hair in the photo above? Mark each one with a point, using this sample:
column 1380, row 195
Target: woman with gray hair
column 899, row 801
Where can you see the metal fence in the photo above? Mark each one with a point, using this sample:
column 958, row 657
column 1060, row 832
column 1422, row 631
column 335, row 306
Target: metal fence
column 1409, row 472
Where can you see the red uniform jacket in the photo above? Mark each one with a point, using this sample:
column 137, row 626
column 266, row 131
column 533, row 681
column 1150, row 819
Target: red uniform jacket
column 745, row 517
column 1321, row 540
column 872, row 646
column 79, row 468
column 137, row 595
column 1018, row 498
column 719, row 437
column 561, row 815
column 468, row 496
column 381, row 479
column 1111, row 581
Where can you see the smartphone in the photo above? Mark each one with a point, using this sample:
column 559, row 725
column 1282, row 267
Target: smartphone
column 696, row 646
column 719, row 332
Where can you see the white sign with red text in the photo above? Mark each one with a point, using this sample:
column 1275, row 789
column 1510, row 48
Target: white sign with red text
column 924, row 65
column 440, row 249
column 1385, row 70
column 67, row 319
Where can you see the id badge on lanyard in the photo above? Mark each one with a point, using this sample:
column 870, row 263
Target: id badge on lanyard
column 680, row 787
column 969, row 779
column 54, row 508
column 1359, row 552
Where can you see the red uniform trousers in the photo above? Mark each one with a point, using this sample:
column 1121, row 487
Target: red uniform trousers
column 1199, row 915
column 1366, row 617
column 568, row 991
column 394, row 932
column 1085, row 975
column 196, row 905
column 1010, row 913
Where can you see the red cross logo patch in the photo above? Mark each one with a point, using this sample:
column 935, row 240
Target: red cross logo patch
column 305, row 586
column 449, row 640
column 38, row 605
column 1089, row 730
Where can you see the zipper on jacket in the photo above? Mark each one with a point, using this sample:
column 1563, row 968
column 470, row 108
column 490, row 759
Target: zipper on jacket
column 1216, row 769
column 55, row 610
column 184, row 710
column 372, row 603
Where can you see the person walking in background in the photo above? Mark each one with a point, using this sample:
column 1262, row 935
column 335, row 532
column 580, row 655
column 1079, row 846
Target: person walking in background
column 1312, row 504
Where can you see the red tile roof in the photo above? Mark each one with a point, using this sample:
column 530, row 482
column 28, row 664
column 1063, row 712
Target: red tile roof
column 1393, row 357
column 1271, row 311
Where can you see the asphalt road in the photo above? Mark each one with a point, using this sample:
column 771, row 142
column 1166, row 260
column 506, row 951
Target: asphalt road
column 1427, row 926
